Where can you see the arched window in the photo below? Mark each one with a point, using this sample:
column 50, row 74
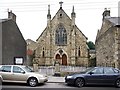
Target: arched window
column 61, row 36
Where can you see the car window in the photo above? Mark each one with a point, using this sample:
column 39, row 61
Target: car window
column 17, row 69
column 5, row 69
column 108, row 71
column 116, row 70
column 97, row 71
column 27, row 69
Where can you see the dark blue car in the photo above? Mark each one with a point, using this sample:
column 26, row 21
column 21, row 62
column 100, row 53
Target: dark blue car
column 95, row 76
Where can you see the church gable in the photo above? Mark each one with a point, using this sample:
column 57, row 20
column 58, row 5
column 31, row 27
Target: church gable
column 61, row 17
column 61, row 40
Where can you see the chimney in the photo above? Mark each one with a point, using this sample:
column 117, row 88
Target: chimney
column 106, row 13
column 11, row 15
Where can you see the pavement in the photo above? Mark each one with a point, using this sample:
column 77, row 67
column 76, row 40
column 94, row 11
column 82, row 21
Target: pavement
column 56, row 79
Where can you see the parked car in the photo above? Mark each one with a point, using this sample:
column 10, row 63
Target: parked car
column 95, row 76
column 21, row 74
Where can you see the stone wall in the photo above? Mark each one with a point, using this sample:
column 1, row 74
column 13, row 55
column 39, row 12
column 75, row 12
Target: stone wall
column 105, row 49
column 75, row 40
column 107, row 45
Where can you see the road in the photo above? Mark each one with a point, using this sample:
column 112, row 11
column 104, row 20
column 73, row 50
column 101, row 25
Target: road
column 59, row 86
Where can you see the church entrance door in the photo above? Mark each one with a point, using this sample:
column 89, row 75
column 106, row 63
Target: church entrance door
column 64, row 59
column 57, row 56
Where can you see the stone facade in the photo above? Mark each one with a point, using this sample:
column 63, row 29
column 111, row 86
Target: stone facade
column 62, row 40
column 108, row 41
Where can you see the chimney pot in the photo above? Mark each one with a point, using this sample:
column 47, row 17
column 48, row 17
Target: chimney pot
column 11, row 15
column 106, row 13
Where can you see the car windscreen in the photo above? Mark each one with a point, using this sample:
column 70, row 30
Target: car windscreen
column 27, row 69
column 87, row 70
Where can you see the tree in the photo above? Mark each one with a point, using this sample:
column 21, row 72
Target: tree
column 91, row 45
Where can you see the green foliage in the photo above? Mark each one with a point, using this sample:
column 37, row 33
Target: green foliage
column 91, row 45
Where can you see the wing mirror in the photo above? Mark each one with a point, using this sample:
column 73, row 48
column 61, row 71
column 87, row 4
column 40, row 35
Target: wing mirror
column 91, row 73
column 23, row 72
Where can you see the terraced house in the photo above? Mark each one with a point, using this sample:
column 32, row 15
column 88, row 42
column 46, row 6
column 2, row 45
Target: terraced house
column 12, row 42
column 61, row 41
column 108, row 41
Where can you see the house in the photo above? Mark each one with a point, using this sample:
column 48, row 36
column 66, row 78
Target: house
column 108, row 41
column 12, row 43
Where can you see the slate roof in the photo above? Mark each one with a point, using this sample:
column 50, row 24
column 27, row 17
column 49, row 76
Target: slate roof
column 114, row 20
column 3, row 20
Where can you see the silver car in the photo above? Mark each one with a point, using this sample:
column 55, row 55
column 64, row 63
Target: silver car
column 21, row 74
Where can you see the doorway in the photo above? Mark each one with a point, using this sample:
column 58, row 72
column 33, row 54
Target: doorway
column 64, row 59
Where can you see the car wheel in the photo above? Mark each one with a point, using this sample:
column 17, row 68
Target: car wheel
column 117, row 83
column 32, row 82
column 79, row 82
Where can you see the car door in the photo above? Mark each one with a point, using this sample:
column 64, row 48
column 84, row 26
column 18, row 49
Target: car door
column 94, row 76
column 18, row 74
column 109, row 75
column 5, row 72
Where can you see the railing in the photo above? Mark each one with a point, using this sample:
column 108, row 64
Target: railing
column 50, row 70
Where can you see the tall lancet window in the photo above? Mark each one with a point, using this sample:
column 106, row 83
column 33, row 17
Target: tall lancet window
column 61, row 35
column 79, row 52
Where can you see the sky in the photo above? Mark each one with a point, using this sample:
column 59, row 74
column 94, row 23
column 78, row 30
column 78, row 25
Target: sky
column 32, row 14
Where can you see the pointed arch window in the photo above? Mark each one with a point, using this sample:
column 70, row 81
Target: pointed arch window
column 61, row 35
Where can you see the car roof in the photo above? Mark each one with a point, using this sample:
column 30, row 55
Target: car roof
column 101, row 67
column 12, row 65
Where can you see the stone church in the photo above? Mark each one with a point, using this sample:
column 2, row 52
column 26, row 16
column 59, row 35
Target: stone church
column 108, row 41
column 62, row 41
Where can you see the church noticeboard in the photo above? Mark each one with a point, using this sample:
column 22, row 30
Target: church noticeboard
column 18, row 60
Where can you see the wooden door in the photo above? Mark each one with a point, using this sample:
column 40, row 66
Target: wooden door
column 64, row 59
column 57, row 56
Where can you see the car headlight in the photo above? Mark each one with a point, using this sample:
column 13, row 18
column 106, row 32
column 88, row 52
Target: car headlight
column 69, row 76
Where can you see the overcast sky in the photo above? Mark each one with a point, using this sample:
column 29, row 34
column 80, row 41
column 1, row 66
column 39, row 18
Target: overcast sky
column 32, row 14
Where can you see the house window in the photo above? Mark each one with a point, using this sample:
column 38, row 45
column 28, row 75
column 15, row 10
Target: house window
column 61, row 36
